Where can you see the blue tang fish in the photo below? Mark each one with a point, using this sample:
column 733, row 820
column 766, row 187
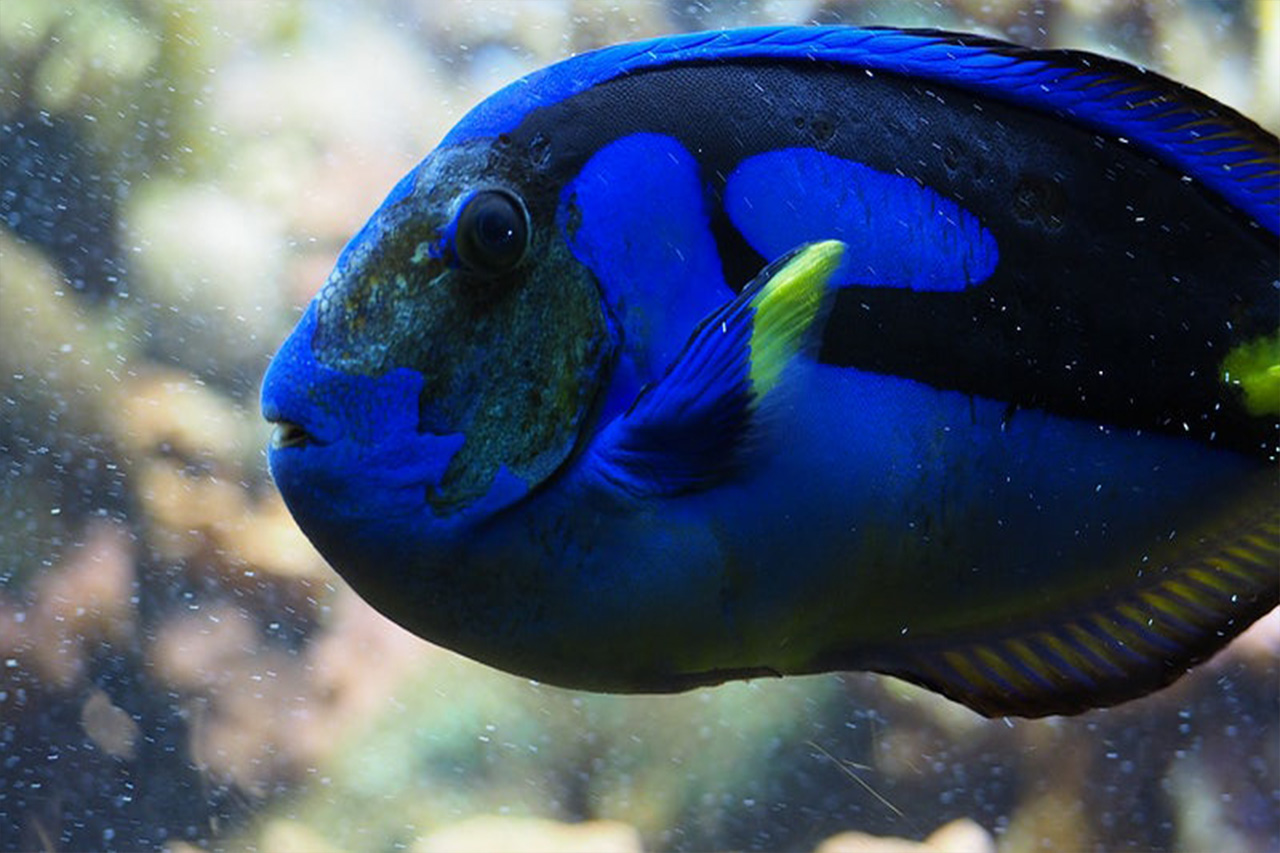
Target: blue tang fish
column 789, row 350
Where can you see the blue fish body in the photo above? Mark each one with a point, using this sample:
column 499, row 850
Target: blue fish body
column 788, row 350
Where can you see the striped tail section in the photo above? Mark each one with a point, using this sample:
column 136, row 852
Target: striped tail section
column 1129, row 643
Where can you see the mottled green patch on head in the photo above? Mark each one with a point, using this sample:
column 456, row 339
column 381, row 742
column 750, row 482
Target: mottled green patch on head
column 1255, row 368
column 511, row 359
column 525, row 369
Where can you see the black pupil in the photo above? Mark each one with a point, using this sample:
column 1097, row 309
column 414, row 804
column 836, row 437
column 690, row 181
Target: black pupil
column 495, row 228
column 492, row 232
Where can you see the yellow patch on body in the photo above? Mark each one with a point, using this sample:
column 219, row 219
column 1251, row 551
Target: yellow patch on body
column 786, row 307
column 1255, row 368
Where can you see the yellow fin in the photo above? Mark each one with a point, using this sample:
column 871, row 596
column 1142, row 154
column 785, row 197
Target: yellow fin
column 685, row 432
column 1255, row 367
column 786, row 308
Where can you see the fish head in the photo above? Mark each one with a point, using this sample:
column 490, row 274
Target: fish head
column 450, row 362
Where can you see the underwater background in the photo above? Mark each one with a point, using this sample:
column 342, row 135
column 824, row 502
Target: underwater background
column 178, row 668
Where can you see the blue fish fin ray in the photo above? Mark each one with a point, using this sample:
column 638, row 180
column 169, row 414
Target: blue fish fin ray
column 1123, row 644
column 685, row 432
column 1178, row 125
column 1185, row 130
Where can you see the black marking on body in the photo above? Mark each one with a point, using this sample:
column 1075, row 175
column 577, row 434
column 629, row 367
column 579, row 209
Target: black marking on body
column 1120, row 285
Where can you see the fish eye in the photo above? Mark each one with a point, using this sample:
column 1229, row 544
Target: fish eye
column 493, row 232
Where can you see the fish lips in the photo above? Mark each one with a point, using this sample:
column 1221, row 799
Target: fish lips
column 292, row 399
column 345, row 443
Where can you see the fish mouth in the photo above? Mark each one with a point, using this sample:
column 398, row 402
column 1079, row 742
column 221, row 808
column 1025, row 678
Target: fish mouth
column 287, row 434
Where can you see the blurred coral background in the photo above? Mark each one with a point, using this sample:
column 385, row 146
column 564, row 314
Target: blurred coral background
column 180, row 670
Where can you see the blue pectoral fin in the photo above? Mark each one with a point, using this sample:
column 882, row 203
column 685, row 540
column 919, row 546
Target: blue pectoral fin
column 1136, row 637
column 684, row 432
